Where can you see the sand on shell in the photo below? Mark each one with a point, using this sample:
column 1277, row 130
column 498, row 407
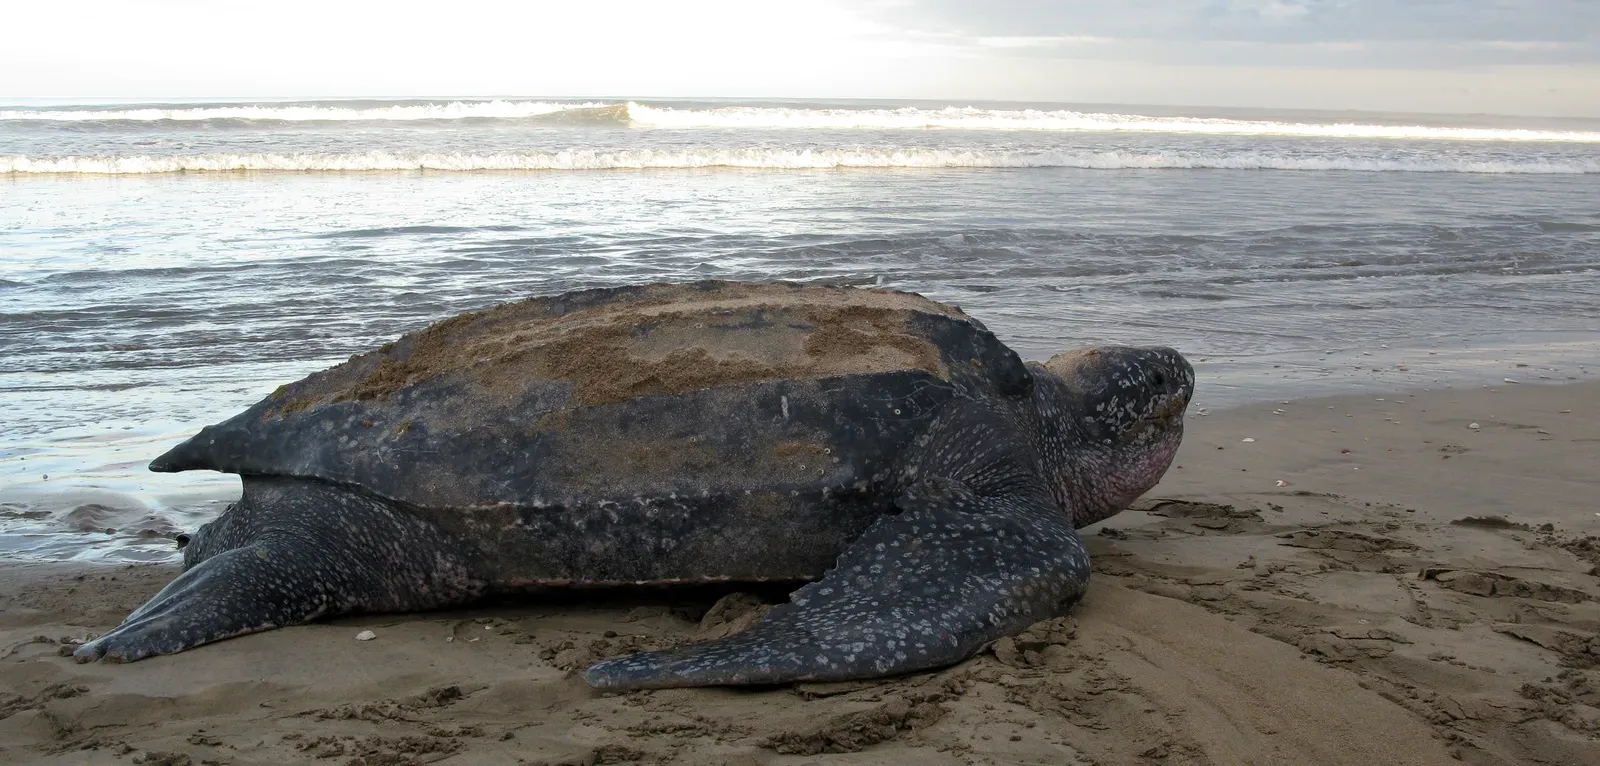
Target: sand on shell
column 1417, row 592
column 614, row 345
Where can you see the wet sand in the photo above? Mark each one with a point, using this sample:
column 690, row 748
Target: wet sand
column 1428, row 596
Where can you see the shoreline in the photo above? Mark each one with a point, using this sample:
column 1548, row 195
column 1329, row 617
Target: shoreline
column 1429, row 595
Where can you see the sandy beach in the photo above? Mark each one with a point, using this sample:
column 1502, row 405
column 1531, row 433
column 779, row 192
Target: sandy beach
column 1402, row 579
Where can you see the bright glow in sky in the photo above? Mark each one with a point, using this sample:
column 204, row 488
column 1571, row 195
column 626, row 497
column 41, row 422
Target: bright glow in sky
column 1499, row 56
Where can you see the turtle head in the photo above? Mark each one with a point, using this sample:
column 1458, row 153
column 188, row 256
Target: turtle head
column 1113, row 419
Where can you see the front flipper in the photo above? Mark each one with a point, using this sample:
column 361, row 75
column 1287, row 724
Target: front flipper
column 245, row 590
column 923, row 589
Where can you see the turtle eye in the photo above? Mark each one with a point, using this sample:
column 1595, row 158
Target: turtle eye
column 182, row 539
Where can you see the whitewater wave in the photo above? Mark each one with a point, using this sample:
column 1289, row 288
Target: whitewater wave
column 780, row 118
column 969, row 118
column 455, row 110
column 768, row 159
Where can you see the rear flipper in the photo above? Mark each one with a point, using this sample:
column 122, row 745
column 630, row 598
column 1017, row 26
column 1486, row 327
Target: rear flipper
column 245, row 590
column 924, row 589
column 304, row 550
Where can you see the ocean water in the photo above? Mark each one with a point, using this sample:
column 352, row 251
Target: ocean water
column 163, row 266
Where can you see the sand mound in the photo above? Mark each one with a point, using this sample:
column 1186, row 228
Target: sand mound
column 1129, row 678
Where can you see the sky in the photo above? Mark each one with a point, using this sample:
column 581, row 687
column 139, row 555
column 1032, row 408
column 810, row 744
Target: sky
column 1535, row 57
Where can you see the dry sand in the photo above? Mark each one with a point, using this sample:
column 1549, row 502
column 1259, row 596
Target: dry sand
column 1429, row 595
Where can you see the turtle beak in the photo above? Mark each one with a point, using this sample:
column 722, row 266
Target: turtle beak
column 1171, row 408
column 1175, row 375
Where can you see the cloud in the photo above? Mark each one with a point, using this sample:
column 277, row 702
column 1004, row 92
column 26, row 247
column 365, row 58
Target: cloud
column 1026, row 41
column 1412, row 32
column 1510, row 56
column 1346, row 54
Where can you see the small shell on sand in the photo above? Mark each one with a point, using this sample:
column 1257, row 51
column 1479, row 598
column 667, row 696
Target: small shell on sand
column 366, row 635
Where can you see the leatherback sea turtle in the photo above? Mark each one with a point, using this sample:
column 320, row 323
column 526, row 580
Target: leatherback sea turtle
column 885, row 443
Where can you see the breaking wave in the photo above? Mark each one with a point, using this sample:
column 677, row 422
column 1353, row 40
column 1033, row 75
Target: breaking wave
column 770, row 158
column 968, row 118
column 455, row 110
column 778, row 118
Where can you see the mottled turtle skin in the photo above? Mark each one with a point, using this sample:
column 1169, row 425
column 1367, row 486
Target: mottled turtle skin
column 883, row 447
